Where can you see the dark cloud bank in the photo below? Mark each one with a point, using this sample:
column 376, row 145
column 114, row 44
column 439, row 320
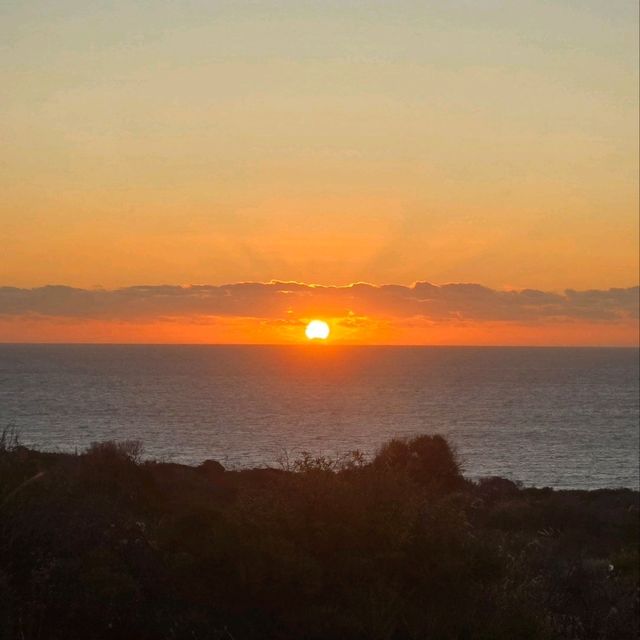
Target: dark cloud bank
column 439, row 303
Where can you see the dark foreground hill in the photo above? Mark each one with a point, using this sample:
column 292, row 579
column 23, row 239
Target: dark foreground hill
column 103, row 545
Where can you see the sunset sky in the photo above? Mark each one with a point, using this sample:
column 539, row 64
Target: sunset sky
column 214, row 171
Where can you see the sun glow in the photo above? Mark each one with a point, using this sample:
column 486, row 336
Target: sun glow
column 317, row 330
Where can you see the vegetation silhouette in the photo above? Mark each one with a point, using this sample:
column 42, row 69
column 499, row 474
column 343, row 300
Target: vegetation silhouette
column 107, row 545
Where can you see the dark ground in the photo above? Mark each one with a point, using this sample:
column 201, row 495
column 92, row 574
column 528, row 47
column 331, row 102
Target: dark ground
column 104, row 545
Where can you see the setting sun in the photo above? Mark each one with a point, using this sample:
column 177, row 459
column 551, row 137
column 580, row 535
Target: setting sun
column 317, row 330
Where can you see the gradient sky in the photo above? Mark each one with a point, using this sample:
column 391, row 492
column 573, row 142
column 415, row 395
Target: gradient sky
column 166, row 142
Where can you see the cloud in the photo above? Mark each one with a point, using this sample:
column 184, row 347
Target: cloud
column 289, row 301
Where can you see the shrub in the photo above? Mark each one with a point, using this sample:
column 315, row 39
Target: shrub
column 101, row 546
column 111, row 451
column 9, row 439
column 428, row 460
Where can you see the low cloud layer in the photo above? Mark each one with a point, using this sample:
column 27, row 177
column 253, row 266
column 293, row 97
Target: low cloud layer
column 456, row 302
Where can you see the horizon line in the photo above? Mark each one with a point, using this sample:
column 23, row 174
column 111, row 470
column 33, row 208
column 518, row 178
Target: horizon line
column 316, row 345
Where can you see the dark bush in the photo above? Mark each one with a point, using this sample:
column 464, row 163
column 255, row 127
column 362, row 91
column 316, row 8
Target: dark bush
column 101, row 545
column 494, row 488
column 428, row 460
column 211, row 468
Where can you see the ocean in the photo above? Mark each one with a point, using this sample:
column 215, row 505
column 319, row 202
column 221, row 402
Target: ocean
column 558, row 417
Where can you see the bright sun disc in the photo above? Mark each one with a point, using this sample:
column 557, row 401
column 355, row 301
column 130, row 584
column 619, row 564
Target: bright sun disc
column 317, row 330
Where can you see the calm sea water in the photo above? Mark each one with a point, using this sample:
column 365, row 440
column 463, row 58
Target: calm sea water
column 555, row 417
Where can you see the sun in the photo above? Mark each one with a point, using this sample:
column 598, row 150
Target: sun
column 317, row 330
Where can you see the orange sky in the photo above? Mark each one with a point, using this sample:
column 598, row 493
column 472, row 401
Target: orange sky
column 212, row 143
column 249, row 331
column 277, row 312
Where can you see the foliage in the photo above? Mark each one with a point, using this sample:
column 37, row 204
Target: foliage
column 105, row 545
column 9, row 439
column 428, row 460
